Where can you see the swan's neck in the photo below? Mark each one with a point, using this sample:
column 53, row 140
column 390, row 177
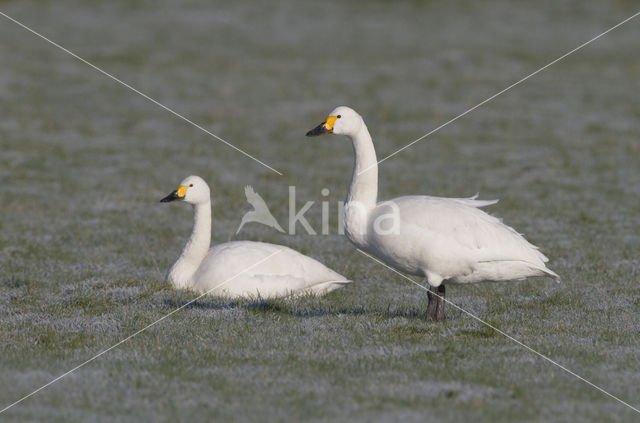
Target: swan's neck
column 363, row 191
column 181, row 273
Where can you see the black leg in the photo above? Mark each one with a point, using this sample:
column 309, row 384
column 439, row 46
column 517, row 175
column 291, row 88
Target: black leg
column 435, row 308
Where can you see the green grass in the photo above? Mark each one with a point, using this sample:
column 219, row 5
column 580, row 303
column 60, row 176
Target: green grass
column 84, row 242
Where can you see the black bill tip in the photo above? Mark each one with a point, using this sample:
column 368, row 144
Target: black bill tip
column 171, row 197
column 319, row 130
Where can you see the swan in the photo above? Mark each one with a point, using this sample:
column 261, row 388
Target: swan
column 441, row 239
column 241, row 269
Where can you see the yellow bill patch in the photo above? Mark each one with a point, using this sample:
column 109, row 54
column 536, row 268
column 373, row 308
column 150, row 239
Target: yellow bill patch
column 181, row 191
column 330, row 121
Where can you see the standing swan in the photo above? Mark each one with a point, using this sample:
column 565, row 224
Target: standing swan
column 241, row 269
column 442, row 239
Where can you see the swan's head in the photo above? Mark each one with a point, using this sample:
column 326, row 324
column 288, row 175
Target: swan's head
column 192, row 190
column 342, row 120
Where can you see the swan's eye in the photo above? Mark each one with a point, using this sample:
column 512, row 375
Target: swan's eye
column 190, row 185
column 339, row 116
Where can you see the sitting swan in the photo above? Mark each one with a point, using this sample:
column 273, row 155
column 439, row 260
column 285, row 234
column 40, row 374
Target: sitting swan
column 442, row 239
column 241, row 269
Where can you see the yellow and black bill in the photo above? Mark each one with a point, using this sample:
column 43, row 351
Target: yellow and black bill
column 325, row 127
column 177, row 194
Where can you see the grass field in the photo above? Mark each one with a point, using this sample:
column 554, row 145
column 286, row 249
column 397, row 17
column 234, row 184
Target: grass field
column 84, row 242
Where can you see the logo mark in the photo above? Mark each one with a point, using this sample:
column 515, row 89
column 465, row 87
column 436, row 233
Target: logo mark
column 387, row 221
column 260, row 212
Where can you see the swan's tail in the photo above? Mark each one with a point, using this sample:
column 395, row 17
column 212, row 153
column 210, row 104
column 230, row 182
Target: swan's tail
column 509, row 269
column 544, row 269
column 551, row 273
column 341, row 282
column 328, row 286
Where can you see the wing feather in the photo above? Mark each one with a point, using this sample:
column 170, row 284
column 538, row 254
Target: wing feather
column 461, row 222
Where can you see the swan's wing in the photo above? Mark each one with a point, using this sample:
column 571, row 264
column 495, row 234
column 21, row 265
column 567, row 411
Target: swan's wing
column 244, row 268
column 273, row 286
column 472, row 202
column 459, row 224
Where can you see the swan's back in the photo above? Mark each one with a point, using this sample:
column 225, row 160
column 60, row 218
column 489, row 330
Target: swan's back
column 453, row 239
column 281, row 271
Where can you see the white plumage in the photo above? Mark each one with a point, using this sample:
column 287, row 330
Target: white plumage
column 443, row 239
column 241, row 269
